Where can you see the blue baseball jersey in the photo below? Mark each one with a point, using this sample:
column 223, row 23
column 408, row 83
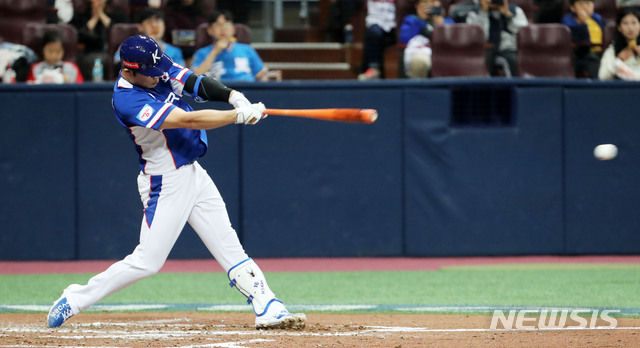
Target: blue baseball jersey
column 142, row 110
column 240, row 63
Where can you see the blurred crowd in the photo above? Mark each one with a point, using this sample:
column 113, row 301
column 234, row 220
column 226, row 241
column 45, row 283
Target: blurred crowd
column 72, row 41
column 603, row 45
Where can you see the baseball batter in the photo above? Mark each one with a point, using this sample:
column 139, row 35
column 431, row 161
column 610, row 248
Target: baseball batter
column 169, row 136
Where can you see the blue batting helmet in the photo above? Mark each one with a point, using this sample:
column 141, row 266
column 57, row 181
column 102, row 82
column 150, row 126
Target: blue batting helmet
column 143, row 55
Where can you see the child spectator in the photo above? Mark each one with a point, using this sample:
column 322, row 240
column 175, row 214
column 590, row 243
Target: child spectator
column 152, row 25
column 52, row 69
column 500, row 22
column 226, row 59
column 415, row 32
column 587, row 28
column 622, row 58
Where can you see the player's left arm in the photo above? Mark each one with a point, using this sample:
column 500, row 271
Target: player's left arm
column 213, row 90
column 199, row 119
column 209, row 88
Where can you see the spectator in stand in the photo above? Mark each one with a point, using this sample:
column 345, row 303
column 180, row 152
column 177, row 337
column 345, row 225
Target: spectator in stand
column 93, row 29
column 183, row 15
column 587, row 28
column 380, row 33
column 415, row 32
column 152, row 25
column 621, row 60
column 500, row 22
column 52, row 69
column 60, row 11
column 226, row 59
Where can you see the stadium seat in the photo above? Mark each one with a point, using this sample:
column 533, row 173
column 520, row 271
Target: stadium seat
column 609, row 33
column 33, row 33
column 16, row 14
column 544, row 50
column 458, row 50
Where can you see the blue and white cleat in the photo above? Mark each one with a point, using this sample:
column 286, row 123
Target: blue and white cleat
column 59, row 312
column 278, row 317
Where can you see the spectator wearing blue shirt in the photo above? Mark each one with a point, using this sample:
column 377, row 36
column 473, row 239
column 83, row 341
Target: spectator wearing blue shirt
column 415, row 32
column 226, row 59
column 152, row 25
column 587, row 28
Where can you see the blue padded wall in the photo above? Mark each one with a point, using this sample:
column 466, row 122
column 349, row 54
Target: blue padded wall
column 320, row 188
column 415, row 183
column 483, row 190
column 37, row 174
column 602, row 197
column 109, row 208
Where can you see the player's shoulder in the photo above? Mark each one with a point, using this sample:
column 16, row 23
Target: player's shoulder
column 124, row 91
column 122, row 85
column 179, row 73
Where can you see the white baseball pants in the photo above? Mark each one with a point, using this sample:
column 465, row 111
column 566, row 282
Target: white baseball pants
column 170, row 200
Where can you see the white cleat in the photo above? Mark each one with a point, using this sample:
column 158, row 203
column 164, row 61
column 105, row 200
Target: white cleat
column 278, row 317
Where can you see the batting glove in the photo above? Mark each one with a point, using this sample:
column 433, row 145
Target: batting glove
column 238, row 99
column 250, row 114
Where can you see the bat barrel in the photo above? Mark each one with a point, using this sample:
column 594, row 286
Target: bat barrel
column 369, row 115
column 340, row 114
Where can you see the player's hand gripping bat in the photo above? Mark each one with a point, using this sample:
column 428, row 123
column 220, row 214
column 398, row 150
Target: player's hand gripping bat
column 343, row 115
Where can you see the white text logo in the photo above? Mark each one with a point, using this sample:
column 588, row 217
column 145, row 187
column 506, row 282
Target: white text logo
column 531, row 319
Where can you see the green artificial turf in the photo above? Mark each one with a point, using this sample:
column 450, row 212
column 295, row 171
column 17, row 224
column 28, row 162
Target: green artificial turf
column 595, row 285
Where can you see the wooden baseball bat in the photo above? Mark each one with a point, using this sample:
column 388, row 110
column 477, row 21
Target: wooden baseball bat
column 343, row 115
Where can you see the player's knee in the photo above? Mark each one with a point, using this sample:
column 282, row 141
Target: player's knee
column 153, row 268
column 147, row 268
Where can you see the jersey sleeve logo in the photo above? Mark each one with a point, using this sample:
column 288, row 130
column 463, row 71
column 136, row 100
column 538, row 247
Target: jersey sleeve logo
column 145, row 114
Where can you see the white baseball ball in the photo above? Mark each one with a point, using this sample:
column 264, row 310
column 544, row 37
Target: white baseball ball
column 605, row 152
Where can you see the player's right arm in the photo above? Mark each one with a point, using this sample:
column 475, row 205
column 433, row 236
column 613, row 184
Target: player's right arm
column 210, row 119
column 199, row 119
